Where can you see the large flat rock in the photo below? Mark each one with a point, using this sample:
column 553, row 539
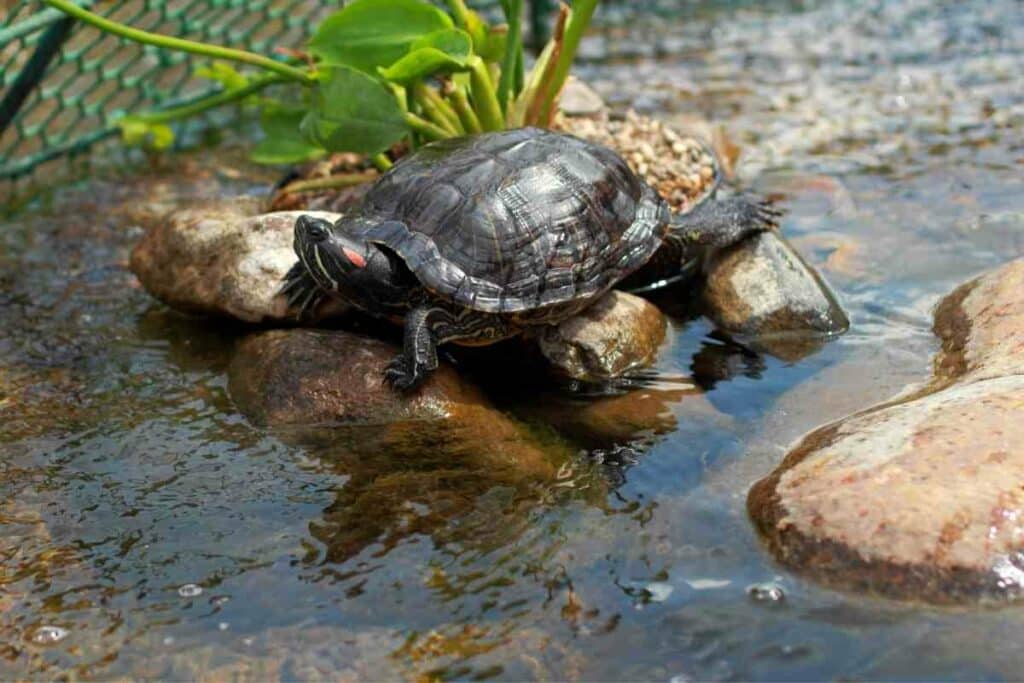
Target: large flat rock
column 221, row 262
column 920, row 498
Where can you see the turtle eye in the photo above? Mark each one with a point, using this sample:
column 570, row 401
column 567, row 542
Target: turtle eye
column 317, row 232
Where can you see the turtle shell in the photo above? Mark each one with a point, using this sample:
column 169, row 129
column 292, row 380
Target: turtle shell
column 514, row 220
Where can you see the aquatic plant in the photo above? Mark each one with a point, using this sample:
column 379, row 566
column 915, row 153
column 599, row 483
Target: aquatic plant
column 374, row 74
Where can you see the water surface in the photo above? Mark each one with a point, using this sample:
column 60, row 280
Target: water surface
column 147, row 529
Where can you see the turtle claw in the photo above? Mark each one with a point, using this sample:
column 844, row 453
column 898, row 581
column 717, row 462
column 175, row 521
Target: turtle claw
column 301, row 291
column 766, row 214
column 400, row 377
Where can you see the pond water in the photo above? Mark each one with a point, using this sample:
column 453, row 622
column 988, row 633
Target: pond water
column 147, row 529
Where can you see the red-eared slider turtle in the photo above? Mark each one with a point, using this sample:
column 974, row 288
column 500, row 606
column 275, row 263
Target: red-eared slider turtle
column 474, row 239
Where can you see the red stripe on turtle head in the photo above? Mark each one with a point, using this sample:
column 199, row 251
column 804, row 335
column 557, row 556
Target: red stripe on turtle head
column 354, row 257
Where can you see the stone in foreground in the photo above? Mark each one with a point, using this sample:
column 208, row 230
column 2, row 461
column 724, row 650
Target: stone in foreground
column 763, row 287
column 922, row 498
column 618, row 334
column 223, row 263
column 309, row 377
column 316, row 378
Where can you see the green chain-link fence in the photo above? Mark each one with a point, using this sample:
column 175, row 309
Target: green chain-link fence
column 63, row 83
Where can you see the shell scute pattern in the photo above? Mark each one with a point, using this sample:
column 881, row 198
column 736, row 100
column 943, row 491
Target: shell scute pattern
column 517, row 220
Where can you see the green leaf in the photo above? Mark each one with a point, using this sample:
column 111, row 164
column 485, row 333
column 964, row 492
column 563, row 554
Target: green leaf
column 283, row 142
column 367, row 34
column 438, row 52
column 452, row 41
column 223, row 73
column 353, row 112
column 135, row 131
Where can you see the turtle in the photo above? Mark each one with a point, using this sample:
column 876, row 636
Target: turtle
column 479, row 238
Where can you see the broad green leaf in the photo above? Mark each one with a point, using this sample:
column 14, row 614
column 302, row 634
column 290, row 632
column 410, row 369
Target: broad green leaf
column 283, row 142
column 223, row 73
column 367, row 34
column 438, row 52
column 353, row 112
column 454, row 42
column 420, row 64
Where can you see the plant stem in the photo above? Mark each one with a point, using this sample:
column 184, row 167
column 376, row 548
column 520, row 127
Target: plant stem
column 330, row 182
column 381, row 162
column 426, row 128
column 172, row 43
column 199, row 106
column 582, row 10
column 506, row 84
column 466, row 114
column 487, row 106
column 438, row 108
column 460, row 12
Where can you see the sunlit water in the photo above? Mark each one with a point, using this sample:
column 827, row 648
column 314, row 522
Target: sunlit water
column 148, row 530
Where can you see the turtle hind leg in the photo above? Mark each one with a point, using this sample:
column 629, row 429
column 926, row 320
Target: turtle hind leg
column 722, row 223
column 301, row 290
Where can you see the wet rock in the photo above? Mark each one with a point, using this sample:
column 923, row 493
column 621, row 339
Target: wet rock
column 981, row 325
column 616, row 335
column 920, row 498
column 222, row 263
column 763, row 287
column 306, row 377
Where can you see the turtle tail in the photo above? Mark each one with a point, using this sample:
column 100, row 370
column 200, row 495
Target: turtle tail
column 301, row 291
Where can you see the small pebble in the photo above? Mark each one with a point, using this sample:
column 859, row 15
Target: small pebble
column 658, row 591
column 766, row 592
column 190, row 590
column 49, row 635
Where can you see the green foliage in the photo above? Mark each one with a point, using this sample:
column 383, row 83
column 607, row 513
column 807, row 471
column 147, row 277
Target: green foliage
column 353, row 112
column 283, row 142
column 378, row 72
column 367, row 34
column 440, row 52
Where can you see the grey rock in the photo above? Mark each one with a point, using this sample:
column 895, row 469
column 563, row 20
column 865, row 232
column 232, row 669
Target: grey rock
column 579, row 99
column 619, row 333
column 222, row 262
column 762, row 288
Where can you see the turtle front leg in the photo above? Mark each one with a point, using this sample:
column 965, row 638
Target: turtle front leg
column 428, row 326
column 423, row 326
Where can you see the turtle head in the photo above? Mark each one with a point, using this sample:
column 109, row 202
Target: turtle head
column 354, row 268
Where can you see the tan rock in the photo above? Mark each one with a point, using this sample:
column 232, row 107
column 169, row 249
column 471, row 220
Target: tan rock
column 222, row 263
column 981, row 325
column 920, row 498
column 619, row 333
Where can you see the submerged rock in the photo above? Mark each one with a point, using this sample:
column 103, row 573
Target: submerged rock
column 222, row 263
column 763, row 287
column 921, row 498
column 619, row 333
